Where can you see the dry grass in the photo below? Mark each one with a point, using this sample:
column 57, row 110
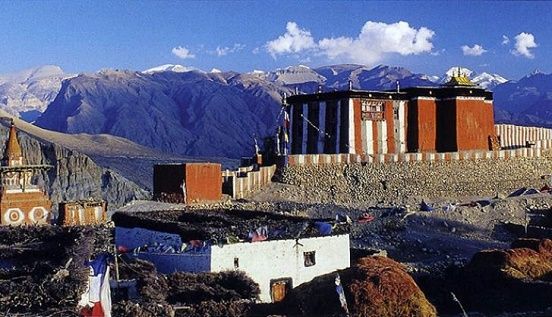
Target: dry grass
column 529, row 259
column 376, row 286
column 226, row 293
column 383, row 288
column 544, row 246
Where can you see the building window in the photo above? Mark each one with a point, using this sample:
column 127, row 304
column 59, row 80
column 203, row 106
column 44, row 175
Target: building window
column 236, row 263
column 309, row 257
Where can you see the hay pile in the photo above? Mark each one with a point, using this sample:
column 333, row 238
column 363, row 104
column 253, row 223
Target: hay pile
column 186, row 294
column 42, row 269
column 543, row 247
column 513, row 280
column 517, row 263
column 375, row 286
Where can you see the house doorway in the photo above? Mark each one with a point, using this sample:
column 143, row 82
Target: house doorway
column 279, row 289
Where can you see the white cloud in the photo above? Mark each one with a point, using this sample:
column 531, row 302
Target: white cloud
column 223, row 51
column 475, row 50
column 377, row 39
column 374, row 42
column 524, row 42
column 295, row 40
column 505, row 40
column 182, row 52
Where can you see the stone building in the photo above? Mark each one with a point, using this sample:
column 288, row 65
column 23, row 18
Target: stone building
column 457, row 116
column 21, row 202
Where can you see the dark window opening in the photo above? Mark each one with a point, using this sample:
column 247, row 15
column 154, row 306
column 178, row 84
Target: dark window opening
column 310, row 259
column 236, row 263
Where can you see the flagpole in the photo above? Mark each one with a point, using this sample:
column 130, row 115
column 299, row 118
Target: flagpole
column 116, row 264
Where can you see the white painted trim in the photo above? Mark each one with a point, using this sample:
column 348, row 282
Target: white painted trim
column 423, row 98
column 463, row 98
column 369, row 148
column 290, row 134
column 382, row 132
column 403, row 118
column 351, row 127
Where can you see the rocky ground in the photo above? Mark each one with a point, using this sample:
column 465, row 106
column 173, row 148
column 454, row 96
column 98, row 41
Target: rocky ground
column 423, row 240
column 428, row 243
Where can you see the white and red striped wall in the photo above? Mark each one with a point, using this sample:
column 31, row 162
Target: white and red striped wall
column 337, row 126
column 513, row 136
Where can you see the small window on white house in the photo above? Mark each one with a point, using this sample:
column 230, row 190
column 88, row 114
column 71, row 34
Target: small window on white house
column 310, row 258
column 236, row 263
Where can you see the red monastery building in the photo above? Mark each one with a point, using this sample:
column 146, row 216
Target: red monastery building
column 21, row 203
column 457, row 116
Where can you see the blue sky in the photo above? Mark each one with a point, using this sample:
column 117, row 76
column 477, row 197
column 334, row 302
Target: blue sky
column 83, row 36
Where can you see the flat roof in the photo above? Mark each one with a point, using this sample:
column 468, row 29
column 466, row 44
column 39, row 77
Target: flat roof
column 404, row 94
column 196, row 224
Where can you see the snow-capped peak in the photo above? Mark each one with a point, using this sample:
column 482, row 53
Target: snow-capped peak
column 215, row 71
column 431, row 78
column 28, row 92
column 453, row 71
column 484, row 80
column 488, row 81
column 169, row 68
column 27, row 75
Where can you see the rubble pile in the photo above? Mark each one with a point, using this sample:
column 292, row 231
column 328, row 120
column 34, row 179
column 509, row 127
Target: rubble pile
column 185, row 294
column 42, row 268
column 374, row 286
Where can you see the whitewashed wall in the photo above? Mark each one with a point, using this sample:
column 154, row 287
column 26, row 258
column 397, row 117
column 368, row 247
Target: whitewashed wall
column 512, row 136
column 168, row 263
column 138, row 237
column 276, row 259
column 262, row 261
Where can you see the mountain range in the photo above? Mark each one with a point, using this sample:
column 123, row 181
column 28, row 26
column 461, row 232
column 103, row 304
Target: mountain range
column 27, row 93
column 186, row 111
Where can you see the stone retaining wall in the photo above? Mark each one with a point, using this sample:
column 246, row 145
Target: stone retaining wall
column 404, row 181
column 320, row 159
column 240, row 183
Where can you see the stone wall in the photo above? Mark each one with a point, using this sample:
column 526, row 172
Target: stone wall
column 411, row 181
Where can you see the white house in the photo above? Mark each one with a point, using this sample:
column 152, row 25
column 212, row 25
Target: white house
column 276, row 265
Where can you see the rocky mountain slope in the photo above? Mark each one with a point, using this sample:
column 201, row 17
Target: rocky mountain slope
column 527, row 101
column 186, row 113
column 198, row 113
column 183, row 111
column 75, row 175
column 27, row 93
